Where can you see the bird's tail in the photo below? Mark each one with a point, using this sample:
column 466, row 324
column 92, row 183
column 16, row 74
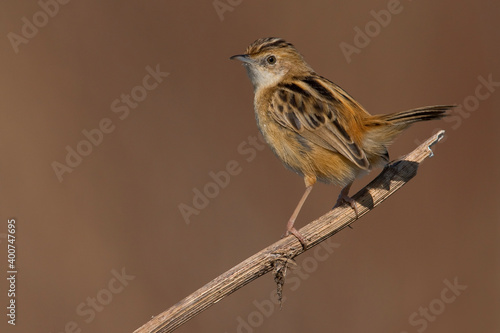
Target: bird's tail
column 381, row 130
column 406, row 118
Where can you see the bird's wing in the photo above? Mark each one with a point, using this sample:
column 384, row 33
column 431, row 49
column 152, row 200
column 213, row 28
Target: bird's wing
column 313, row 107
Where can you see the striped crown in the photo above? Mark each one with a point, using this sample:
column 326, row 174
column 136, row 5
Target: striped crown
column 268, row 43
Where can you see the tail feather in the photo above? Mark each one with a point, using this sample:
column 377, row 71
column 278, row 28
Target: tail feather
column 419, row 114
column 383, row 129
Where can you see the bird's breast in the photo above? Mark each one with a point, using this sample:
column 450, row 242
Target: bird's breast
column 282, row 141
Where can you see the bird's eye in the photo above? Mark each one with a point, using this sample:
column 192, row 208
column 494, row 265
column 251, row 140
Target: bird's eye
column 271, row 60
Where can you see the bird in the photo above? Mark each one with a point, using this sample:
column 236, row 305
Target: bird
column 314, row 126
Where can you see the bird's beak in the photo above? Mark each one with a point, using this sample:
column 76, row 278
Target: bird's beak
column 243, row 58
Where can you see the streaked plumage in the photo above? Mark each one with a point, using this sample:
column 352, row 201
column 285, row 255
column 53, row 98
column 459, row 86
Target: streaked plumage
column 314, row 127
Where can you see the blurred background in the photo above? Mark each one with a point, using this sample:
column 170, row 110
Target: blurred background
column 116, row 115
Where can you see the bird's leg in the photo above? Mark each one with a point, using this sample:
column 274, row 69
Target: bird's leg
column 290, row 229
column 344, row 198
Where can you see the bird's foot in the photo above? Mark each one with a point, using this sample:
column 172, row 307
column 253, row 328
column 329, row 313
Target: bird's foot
column 345, row 199
column 297, row 234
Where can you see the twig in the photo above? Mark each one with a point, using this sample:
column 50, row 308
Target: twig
column 393, row 177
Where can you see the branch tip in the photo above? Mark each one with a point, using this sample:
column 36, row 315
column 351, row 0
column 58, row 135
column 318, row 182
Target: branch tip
column 438, row 137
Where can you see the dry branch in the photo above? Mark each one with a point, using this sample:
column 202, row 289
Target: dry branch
column 393, row 177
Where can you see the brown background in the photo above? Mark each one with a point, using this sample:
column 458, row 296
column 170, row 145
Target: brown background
column 120, row 207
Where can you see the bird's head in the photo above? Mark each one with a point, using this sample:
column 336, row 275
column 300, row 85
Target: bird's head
column 271, row 60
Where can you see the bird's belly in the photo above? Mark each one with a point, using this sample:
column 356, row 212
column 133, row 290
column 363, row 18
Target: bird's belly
column 307, row 158
column 332, row 167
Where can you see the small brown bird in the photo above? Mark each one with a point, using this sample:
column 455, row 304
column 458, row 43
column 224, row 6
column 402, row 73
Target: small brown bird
column 316, row 128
